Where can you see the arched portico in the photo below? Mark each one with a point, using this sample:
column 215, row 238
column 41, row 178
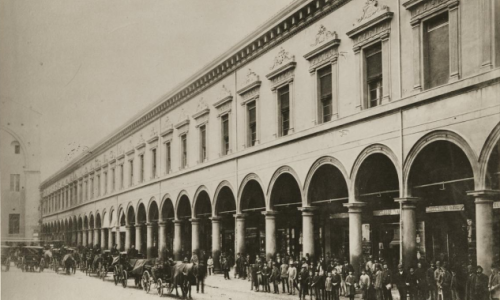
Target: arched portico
column 152, row 228
column 166, row 227
column 183, row 230
column 200, row 223
column 223, row 221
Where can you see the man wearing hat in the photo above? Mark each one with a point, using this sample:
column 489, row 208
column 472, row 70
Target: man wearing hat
column 292, row 276
column 481, row 285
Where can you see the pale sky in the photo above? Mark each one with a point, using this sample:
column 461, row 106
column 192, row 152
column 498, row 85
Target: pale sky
column 88, row 66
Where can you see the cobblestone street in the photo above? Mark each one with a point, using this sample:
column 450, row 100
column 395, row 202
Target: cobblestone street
column 17, row 285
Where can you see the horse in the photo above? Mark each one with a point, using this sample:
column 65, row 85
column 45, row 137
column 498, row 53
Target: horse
column 69, row 263
column 200, row 273
column 182, row 276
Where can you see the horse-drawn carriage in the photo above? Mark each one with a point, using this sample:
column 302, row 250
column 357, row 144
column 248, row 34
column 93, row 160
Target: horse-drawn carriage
column 105, row 264
column 31, row 256
column 126, row 268
column 170, row 275
column 62, row 258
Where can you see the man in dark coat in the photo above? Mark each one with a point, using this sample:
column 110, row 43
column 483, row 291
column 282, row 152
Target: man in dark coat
column 469, row 285
column 387, row 281
column 400, row 281
column 481, row 285
column 444, row 282
column 336, row 281
column 431, row 283
column 422, row 282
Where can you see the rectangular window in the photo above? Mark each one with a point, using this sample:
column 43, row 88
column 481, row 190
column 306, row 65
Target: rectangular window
column 14, row 220
column 105, row 182
column 168, row 160
column 252, row 123
column 98, row 185
column 17, row 149
column 325, row 93
column 373, row 59
column 153, row 164
column 225, row 134
column 436, row 51
column 122, row 176
column 113, row 180
column 284, row 110
column 80, row 192
column 15, row 182
column 141, row 162
column 203, row 143
column 86, row 190
column 131, row 182
column 183, row 151
column 91, row 188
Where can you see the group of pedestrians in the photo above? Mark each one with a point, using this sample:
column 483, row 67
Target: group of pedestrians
column 328, row 279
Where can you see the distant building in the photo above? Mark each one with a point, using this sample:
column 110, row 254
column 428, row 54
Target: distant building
column 338, row 128
column 19, row 172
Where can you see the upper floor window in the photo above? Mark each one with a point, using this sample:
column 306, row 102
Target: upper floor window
column 105, row 182
column 113, row 179
column 183, row 151
column 203, row 143
column 141, row 162
column 98, row 185
column 131, row 182
column 86, row 190
column 122, row 176
column 91, row 188
column 225, row 134
column 153, row 163
column 17, row 148
column 14, row 220
column 325, row 93
column 373, row 59
column 252, row 123
column 15, row 182
column 436, row 51
column 168, row 158
column 284, row 110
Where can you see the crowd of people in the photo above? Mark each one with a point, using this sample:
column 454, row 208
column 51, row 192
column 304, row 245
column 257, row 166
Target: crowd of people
column 328, row 278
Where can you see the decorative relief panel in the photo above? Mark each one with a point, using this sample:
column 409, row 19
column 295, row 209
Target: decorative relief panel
column 251, row 90
column 325, row 49
column 374, row 24
column 283, row 69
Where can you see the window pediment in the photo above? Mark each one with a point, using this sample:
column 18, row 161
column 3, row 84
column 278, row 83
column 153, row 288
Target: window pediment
column 282, row 69
column 374, row 24
column 422, row 8
column 325, row 49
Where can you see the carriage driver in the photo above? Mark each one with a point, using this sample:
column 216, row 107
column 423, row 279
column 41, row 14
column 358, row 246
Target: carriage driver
column 155, row 270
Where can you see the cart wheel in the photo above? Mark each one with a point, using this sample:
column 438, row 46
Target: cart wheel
column 115, row 279
column 124, row 279
column 159, row 287
column 146, row 285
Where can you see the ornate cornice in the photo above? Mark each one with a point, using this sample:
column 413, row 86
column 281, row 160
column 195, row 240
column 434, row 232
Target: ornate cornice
column 296, row 17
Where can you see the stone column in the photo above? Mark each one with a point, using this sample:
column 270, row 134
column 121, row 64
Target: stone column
column 270, row 233
column 162, row 238
column 484, row 226
column 408, row 225
column 110, row 238
column 128, row 237
column 240, row 233
column 195, row 235
column 355, row 237
column 84, row 237
column 90, row 236
column 138, row 238
column 79, row 238
column 149, row 240
column 103, row 238
column 216, row 242
column 177, row 239
column 96, row 236
column 118, row 238
column 308, row 230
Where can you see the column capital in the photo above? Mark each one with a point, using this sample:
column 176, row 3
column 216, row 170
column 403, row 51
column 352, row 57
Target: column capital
column 130, row 226
column 162, row 223
column 270, row 213
column 215, row 219
column 195, row 220
column 408, row 202
column 355, row 207
column 240, row 216
column 178, row 222
column 485, row 196
column 307, row 209
column 149, row 225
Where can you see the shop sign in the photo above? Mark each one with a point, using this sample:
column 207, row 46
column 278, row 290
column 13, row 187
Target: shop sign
column 339, row 216
column 496, row 205
column 444, row 208
column 386, row 212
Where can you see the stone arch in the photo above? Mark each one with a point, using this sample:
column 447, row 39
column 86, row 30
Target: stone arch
column 98, row 221
column 438, row 135
column 223, row 184
column 248, row 178
column 202, row 189
column 141, row 214
column 322, row 161
column 130, row 214
column 85, row 222
column 150, row 210
column 182, row 194
column 277, row 174
column 484, row 157
column 166, row 207
column 372, row 149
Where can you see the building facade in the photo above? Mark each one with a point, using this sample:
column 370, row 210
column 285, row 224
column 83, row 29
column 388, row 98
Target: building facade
column 342, row 128
column 19, row 172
